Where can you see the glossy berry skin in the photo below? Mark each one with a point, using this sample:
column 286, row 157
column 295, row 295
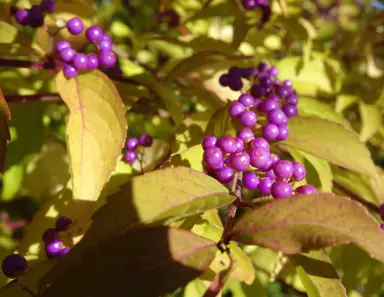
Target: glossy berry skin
column 225, row 175
column 270, row 104
column 260, row 142
column 131, row 143
column 290, row 110
column 53, row 249
column 249, row 4
column 227, row 144
column 270, row 174
column 240, row 161
column 69, row 71
column 277, row 117
column 270, row 131
column 213, row 157
column 258, row 157
column 224, row 80
column 130, row 156
column 282, row 91
column 248, row 118
column 283, row 133
column 292, row 100
column 235, row 109
column 239, row 145
column 62, row 44
column 80, row 61
column 107, row 37
column 50, row 235
column 273, row 71
column 14, row 265
column 246, row 99
column 48, row 6
column 281, row 189
column 306, row 190
column 268, row 165
column 245, row 134
column 265, row 186
column 75, row 26
column 105, row 45
column 63, row 224
column 299, row 171
column 283, row 169
column 67, row 54
column 250, row 180
column 94, row 33
column 382, row 211
column 209, row 142
column 92, row 61
column 145, row 140
column 107, row 59
column 266, row 82
column 22, row 16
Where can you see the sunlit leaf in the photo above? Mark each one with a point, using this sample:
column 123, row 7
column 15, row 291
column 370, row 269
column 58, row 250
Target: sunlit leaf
column 371, row 119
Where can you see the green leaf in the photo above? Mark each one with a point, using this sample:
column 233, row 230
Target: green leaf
column 304, row 223
column 219, row 123
column 371, row 119
column 344, row 101
column 330, row 141
column 318, row 275
column 191, row 158
column 127, row 261
column 96, row 130
column 5, row 136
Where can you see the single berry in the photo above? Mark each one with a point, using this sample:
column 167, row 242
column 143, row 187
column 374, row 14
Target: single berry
column 270, row 174
column 245, row 134
column 306, row 190
column 93, row 61
column 235, row 109
column 48, row 6
column 249, row 4
column 250, row 180
column 258, row 157
column 227, row 144
column 209, row 141
column 75, row 26
column 14, row 265
column 67, row 54
column 50, row 235
column 22, row 16
column 36, row 16
column 224, row 80
column 287, row 83
column 283, row 169
column 273, row 71
column 290, row 110
column 270, row 104
column 246, row 99
column 382, row 211
column 270, row 131
column 131, row 143
column 62, row 44
column 130, row 156
column 53, row 249
column 213, row 157
column 258, row 91
column 234, row 71
column 281, row 189
column 69, row 71
column 262, row 66
column 268, row 165
column 107, row 59
column 145, row 140
column 299, row 171
column 239, row 145
column 283, row 133
column 282, row 91
column 105, row 45
column 63, row 223
column 248, row 118
column 107, row 37
column 275, row 158
column 265, row 186
column 261, row 143
column 94, row 33
column 235, row 83
column 240, row 161
column 225, row 175
column 80, row 61
column 277, row 117
column 266, row 82
column 292, row 100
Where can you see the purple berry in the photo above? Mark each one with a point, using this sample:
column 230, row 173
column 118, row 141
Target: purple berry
column 131, row 143
column 292, row 99
column 246, row 99
column 287, row 83
column 62, row 44
column 75, row 26
column 53, row 249
column 270, row 104
column 235, row 109
column 80, row 61
column 235, row 83
column 93, row 61
column 209, row 141
column 290, row 110
column 239, row 145
column 299, row 171
column 281, row 189
column 107, row 37
column 262, row 66
column 270, row 131
column 50, row 235
column 130, row 156
column 227, row 144
column 48, row 6
column 258, row 91
column 306, row 190
column 213, row 157
column 69, row 71
column 67, row 54
column 248, row 118
column 22, row 16
column 105, row 45
column 35, row 16
column 382, row 211
column 63, row 223
column 64, row 251
column 277, row 117
column 265, row 186
column 275, row 158
column 14, row 265
column 268, row 165
column 225, row 175
column 261, row 143
column 248, row 4
column 258, row 157
column 234, row 71
column 266, row 82
column 250, row 180
column 282, row 91
column 224, row 80
column 240, row 161
column 382, row 227
column 107, row 59
column 283, row 169
column 283, row 133
column 145, row 140
column 245, row 134
column 94, row 33
column 273, row 71
column 270, row 174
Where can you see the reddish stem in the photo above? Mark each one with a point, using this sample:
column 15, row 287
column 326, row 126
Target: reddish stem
column 48, row 65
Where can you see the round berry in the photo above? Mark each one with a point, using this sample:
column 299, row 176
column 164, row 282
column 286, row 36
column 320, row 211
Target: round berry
column 245, row 134
column 224, row 80
column 50, row 235
column 107, row 37
column 14, row 265
column 48, row 6
column 290, row 110
column 53, row 249
column 306, row 190
column 283, row 133
column 277, row 117
column 382, row 211
column 273, row 71
column 266, row 82
column 62, row 44
column 250, row 180
column 63, row 223
column 261, row 143
column 268, row 165
column 292, row 100
column 69, row 71
column 225, row 175
column 265, row 186
column 107, row 59
column 36, row 16
column 247, row 100
column 213, row 157
column 94, row 33
column 131, row 143
column 75, row 26
column 80, row 61
column 145, row 140
column 283, row 169
column 235, row 83
column 240, row 161
column 281, row 189
column 105, row 45
column 67, row 54
column 258, row 91
column 92, row 61
column 248, row 118
column 234, row 71
column 249, row 4
column 282, row 91
column 262, row 66
column 64, row 251
column 258, row 157
column 287, row 83
column 130, row 156
column 269, row 105
column 227, row 144
column 275, row 158
column 235, row 109
column 270, row 131
column 22, row 16
column 270, row 174
column 209, row 141
column 239, row 145
column 299, row 171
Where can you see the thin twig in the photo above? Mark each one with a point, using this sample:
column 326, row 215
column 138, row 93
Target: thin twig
column 35, row 97
column 47, row 65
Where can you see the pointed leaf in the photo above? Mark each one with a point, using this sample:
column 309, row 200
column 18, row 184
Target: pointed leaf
column 330, row 141
column 5, row 136
column 371, row 119
column 96, row 130
column 304, row 223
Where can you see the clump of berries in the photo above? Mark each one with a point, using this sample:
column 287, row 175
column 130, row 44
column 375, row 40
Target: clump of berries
column 15, row 265
column 76, row 62
column 263, row 115
column 132, row 144
column 34, row 17
column 261, row 4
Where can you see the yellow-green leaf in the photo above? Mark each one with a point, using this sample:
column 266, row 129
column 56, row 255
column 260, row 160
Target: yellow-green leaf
column 371, row 119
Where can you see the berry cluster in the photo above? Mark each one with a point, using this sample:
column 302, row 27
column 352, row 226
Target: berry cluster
column 34, row 17
column 168, row 16
column 15, row 265
column 78, row 61
column 262, row 4
column 262, row 120
column 132, row 144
